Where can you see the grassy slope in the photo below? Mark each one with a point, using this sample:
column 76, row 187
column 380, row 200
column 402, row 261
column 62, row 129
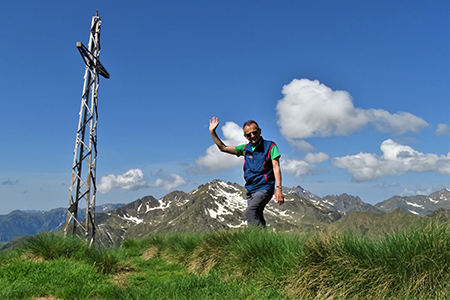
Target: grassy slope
column 241, row 264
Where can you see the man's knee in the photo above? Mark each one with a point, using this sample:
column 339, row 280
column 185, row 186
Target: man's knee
column 251, row 215
column 255, row 207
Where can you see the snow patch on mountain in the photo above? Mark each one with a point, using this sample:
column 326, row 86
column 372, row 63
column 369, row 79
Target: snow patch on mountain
column 243, row 223
column 231, row 195
column 220, row 211
column 432, row 200
column 415, row 205
column 328, row 202
column 162, row 206
column 132, row 219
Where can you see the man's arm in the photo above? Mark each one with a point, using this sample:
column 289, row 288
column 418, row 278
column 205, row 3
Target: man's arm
column 279, row 197
column 213, row 123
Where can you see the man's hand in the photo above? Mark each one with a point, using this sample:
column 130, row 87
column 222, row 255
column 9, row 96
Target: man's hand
column 213, row 123
column 279, row 197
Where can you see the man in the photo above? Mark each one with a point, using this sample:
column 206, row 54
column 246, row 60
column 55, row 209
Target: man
column 262, row 171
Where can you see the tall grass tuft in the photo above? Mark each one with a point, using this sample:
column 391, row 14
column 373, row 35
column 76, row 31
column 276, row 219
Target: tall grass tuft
column 105, row 260
column 424, row 253
column 212, row 251
column 173, row 247
column 263, row 256
column 180, row 247
column 414, row 263
column 48, row 246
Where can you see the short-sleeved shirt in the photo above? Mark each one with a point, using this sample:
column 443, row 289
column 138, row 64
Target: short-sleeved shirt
column 274, row 153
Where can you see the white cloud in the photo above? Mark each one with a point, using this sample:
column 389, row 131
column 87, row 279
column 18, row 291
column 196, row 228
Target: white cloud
column 131, row 180
column 307, row 166
column 442, row 129
column 400, row 122
column 418, row 190
column 214, row 160
column 301, row 145
column 134, row 180
column 315, row 158
column 172, row 182
column 310, row 109
column 396, row 160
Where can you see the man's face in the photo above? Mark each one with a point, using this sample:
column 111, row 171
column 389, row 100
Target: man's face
column 252, row 133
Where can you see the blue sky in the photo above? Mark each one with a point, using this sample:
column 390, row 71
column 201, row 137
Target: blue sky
column 355, row 94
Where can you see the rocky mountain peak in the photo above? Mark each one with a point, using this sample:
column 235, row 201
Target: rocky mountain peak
column 420, row 205
column 440, row 196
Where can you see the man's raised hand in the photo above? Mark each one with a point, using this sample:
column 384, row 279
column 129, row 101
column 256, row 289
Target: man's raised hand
column 213, row 123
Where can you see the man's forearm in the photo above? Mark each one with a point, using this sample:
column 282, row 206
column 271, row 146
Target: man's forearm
column 217, row 140
column 277, row 172
column 279, row 197
column 278, row 183
column 222, row 147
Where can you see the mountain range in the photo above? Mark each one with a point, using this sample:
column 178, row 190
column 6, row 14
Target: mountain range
column 220, row 205
column 420, row 205
column 20, row 223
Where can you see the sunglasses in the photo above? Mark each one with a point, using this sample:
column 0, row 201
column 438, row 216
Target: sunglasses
column 249, row 135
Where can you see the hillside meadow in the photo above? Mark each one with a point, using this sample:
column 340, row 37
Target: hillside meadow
column 234, row 264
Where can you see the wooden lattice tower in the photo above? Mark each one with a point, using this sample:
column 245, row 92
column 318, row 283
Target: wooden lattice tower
column 83, row 181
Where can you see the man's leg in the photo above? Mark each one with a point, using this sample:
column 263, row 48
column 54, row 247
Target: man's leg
column 255, row 207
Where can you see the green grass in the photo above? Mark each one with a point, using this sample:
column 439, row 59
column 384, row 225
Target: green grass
column 234, row 264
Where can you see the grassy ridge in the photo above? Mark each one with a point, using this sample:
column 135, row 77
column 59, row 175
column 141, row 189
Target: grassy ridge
column 235, row 264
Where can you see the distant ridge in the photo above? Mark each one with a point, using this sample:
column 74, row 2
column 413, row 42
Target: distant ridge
column 21, row 223
column 420, row 205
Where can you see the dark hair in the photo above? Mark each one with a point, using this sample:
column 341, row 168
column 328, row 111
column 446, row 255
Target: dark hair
column 249, row 122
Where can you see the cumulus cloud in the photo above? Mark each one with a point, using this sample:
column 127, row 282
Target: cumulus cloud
column 396, row 160
column 172, row 182
column 311, row 109
column 442, row 129
column 214, row 160
column 131, row 180
column 307, row 166
column 301, row 145
column 134, row 180
column 419, row 190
